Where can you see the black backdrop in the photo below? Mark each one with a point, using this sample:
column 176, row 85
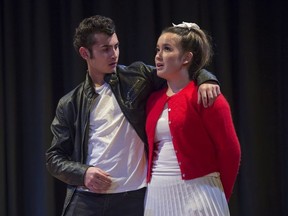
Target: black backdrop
column 38, row 65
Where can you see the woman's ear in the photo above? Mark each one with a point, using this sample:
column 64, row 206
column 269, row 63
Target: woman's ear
column 188, row 57
column 84, row 53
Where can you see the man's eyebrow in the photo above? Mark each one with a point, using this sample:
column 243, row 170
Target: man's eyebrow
column 107, row 45
column 104, row 45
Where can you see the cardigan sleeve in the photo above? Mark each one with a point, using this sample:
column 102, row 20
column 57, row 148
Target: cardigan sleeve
column 219, row 125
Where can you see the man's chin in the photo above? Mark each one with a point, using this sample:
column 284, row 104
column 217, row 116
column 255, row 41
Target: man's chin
column 113, row 70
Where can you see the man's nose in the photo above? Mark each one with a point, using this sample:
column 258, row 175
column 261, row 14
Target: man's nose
column 115, row 52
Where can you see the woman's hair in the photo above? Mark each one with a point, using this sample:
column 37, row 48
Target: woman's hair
column 84, row 34
column 194, row 40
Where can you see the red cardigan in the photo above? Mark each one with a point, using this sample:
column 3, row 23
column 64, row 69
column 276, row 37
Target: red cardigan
column 204, row 139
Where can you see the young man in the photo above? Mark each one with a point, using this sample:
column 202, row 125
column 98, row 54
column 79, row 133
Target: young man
column 99, row 141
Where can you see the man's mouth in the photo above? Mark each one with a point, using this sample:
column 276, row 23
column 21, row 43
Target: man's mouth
column 113, row 64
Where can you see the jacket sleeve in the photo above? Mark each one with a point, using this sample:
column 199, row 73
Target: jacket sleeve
column 158, row 83
column 151, row 76
column 203, row 76
column 59, row 156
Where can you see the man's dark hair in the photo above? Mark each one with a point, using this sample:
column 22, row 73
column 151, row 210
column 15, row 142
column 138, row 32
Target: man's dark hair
column 84, row 34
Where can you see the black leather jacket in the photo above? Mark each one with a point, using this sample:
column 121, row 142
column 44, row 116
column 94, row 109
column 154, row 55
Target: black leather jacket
column 131, row 85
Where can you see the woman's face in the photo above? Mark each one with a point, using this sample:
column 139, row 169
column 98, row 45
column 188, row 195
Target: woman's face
column 169, row 58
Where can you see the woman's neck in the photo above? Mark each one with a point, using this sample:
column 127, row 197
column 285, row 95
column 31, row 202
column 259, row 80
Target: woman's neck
column 176, row 85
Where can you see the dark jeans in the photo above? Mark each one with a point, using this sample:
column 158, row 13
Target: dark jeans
column 119, row 204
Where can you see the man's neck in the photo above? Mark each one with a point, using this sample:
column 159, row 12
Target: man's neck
column 97, row 79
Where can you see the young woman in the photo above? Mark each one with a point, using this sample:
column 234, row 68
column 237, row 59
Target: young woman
column 194, row 152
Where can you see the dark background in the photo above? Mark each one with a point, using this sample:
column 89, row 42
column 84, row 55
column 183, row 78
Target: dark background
column 38, row 65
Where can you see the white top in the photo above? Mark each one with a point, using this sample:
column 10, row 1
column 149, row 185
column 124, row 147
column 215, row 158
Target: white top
column 114, row 145
column 165, row 161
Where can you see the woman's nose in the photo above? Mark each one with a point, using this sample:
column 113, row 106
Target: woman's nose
column 158, row 55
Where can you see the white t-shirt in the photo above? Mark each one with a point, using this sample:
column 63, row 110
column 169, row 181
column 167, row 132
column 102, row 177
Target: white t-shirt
column 114, row 145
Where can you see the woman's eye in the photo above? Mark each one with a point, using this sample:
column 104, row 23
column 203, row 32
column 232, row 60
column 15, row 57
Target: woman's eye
column 167, row 49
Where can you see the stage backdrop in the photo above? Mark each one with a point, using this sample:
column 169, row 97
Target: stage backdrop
column 38, row 65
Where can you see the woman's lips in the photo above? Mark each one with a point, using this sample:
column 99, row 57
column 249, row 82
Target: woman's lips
column 159, row 66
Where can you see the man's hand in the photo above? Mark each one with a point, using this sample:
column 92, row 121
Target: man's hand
column 96, row 180
column 207, row 93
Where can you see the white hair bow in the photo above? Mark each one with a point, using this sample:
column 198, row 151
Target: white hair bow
column 187, row 25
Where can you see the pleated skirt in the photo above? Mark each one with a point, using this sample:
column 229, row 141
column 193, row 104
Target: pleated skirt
column 172, row 196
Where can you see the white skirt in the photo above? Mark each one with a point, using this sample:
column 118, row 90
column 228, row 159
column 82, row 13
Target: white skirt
column 172, row 196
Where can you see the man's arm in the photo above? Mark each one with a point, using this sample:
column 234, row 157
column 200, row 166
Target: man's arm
column 208, row 89
column 58, row 156
column 208, row 84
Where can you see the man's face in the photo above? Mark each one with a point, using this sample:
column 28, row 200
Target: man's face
column 104, row 54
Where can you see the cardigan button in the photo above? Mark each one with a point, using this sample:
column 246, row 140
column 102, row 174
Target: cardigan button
column 169, row 109
column 183, row 175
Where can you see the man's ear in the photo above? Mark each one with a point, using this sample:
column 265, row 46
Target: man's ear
column 84, row 52
column 188, row 57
